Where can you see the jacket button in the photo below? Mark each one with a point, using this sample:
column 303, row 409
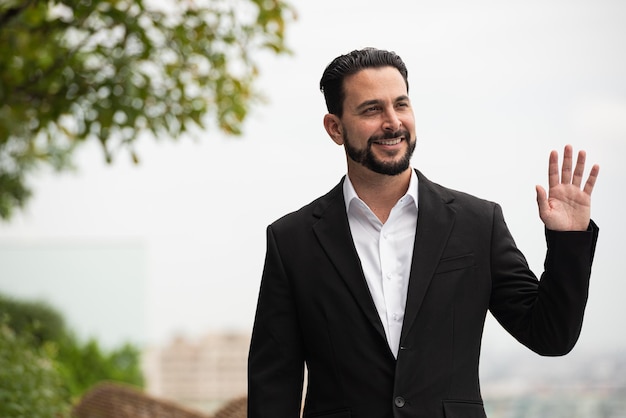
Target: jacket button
column 399, row 401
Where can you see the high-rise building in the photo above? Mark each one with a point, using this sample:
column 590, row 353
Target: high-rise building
column 202, row 373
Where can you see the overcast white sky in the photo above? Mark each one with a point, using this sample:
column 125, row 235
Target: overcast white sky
column 176, row 244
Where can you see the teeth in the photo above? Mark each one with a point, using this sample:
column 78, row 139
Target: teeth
column 390, row 141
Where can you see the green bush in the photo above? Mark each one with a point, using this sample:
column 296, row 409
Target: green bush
column 55, row 351
column 37, row 318
column 30, row 384
column 85, row 364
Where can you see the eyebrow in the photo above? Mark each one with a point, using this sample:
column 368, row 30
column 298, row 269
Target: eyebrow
column 368, row 103
column 377, row 102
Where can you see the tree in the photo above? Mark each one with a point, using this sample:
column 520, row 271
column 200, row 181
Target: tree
column 53, row 354
column 83, row 365
column 73, row 70
column 38, row 319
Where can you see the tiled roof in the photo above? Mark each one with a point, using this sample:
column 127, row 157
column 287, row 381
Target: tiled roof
column 114, row 400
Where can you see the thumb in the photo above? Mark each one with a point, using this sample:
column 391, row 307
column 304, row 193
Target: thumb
column 542, row 199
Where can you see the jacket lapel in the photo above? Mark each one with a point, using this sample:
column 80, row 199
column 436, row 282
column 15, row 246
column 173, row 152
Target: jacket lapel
column 434, row 223
column 333, row 232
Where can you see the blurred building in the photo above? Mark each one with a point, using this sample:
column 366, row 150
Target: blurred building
column 202, row 373
column 582, row 385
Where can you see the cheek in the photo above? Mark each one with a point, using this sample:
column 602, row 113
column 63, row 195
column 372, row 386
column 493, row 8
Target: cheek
column 361, row 133
column 408, row 122
column 357, row 138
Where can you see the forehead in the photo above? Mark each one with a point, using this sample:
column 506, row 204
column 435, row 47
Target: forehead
column 374, row 84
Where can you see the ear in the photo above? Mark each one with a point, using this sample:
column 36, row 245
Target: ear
column 334, row 128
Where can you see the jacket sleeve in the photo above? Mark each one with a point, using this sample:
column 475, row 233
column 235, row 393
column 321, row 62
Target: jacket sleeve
column 275, row 361
column 545, row 315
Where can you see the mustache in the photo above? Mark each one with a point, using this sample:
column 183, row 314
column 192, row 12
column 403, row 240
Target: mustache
column 390, row 135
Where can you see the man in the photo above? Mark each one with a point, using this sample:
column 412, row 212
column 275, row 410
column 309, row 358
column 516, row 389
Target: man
column 381, row 286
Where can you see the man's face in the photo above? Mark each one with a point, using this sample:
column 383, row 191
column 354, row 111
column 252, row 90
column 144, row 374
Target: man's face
column 378, row 126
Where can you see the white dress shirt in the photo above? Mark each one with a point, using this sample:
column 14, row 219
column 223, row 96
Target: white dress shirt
column 386, row 252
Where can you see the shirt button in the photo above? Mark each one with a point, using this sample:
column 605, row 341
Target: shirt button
column 399, row 401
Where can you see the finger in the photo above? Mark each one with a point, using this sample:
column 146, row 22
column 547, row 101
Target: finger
column 580, row 169
column 566, row 170
column 553, row 169
column 591, row 181
column 542, row 199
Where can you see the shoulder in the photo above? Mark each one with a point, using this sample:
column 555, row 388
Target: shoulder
column 456, row 198
column 311, row 212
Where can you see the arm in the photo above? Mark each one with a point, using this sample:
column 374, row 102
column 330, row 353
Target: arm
column 547, row 315
column 275, row 362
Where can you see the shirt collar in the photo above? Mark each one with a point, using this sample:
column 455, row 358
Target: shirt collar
column 349, row 194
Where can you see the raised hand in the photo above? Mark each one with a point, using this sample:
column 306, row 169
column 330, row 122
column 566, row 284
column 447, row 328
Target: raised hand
column 566, row 207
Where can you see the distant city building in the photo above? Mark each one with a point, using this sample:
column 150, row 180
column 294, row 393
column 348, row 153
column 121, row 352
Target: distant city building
column 202, row 373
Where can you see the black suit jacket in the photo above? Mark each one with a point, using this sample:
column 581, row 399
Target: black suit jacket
column 314, row 307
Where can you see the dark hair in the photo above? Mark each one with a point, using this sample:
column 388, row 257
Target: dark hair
column 343, row 66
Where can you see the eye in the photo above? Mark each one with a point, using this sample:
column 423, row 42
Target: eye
column 372, row 109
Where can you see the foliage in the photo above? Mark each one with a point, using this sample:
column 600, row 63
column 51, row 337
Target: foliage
column 80, row 365
column 39, row 319
column 112, row 69
column 30, row 386
column 85, row 364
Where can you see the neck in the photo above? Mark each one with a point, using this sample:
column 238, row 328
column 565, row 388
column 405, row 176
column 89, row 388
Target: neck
column 379, row 191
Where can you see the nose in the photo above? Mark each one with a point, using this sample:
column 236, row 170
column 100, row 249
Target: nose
column 391, row 121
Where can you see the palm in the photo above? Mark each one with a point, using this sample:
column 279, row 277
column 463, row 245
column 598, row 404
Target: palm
column 567, row 207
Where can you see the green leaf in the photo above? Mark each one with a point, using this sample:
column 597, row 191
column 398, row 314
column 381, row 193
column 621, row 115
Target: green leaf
column 76, row 65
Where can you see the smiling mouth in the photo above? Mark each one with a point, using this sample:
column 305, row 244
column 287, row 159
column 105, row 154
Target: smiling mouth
column 393, row 141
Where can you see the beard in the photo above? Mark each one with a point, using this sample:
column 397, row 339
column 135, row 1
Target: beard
column 367, row 158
